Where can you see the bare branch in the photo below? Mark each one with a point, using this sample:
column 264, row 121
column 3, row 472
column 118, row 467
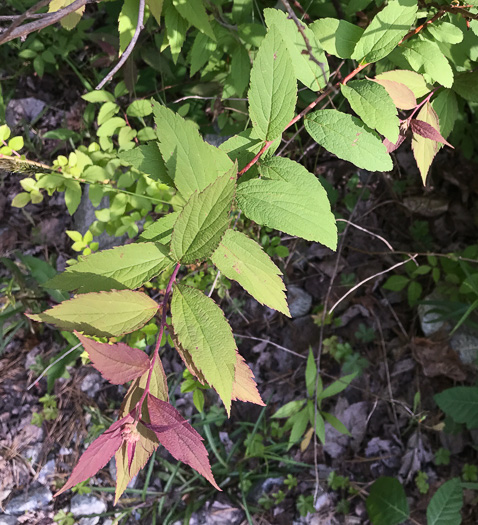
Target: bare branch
column 17, row 20
column 129, row 49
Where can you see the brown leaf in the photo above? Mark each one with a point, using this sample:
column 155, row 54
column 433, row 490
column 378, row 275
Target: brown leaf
column 437, row 358
column 244, row 387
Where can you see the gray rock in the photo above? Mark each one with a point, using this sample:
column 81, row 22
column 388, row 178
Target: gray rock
column 429, row 320
column 92, row 383
column 34, row 499
column 299, row 301
column 86, row 504
column 47, row 472
column 465, row 344
column 217, row 513
column 27, row 109
column 7, row 520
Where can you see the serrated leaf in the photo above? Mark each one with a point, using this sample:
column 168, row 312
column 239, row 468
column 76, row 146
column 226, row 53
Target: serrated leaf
column 414, row 81
column 203, row 331
column 290, row 199
column 445, row 32
column 466, row 85
column 118, row 363
column 160, row 230
column 244, row 387
column 191, row 163
column 445, row 506
column 446, row 108
column 123, row 267
column 402, row 96
column 96, row 455
column 349, row 139
column 424, row 150
column 273, row 91
column 188, row 360
column 176, row 28
column 71, row 20
column 338, row 37
column 148, row 159
column 180, row 439
column 387, row 503
column 426, row 57
column 194, row 12
column 127, row 21
column 104, row 314
column 374, row 106
column 289, row 409
column 426, row 130
column 386, row 30
column 202, row 49
column 238, row 77
column 306, row 69
column 203, row 220
column 156, row 7
column 461, row 404
column 243, row 260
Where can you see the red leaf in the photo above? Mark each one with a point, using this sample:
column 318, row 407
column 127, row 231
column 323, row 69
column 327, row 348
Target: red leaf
column 179, row 437
column 118, row 363
column 391, row 146
column 427, row 131
column 244, row 387
column 97, row 454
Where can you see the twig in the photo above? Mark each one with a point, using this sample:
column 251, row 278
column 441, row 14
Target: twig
column 270, row 343
column 18, row 19
column 129, row 49
column 47, row 20
column 412, row 258
column 389, row 246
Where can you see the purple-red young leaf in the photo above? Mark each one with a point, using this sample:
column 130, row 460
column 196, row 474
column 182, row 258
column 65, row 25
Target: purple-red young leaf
column 118, row 363
column 179, row 437
column 97, row 455
column 427, row 131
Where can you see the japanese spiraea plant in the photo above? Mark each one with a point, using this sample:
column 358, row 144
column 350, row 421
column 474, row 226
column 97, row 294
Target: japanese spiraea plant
column 414, row 90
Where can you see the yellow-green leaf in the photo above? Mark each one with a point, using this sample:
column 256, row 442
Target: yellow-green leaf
column 424, row 150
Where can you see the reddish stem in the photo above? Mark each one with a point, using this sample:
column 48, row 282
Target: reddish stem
column 164, row 310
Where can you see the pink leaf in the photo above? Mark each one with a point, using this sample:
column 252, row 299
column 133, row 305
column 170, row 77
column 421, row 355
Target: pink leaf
column 391, row 146
column 118, row 363
column 97, row 454
column 427, row 131
column 244, row 387
column 179, row 437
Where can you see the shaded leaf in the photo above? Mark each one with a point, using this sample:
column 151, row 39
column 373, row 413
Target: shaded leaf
column 243, row 260
column 104, row 314
column 466, row 85
column 180, row 439
column 445, row 506
column 349, row 139
column 273, row 90
column 338, row 37
column 118, row 363
column 244, row 387
column 289, row 198
column 128, row 266
column 148, row 159
column 195, row 13
column 204, row 332
column 387, row 503
column 461, row 404
column 160, row 230
column 446, row 108
column 203, row 220
column 238, row 78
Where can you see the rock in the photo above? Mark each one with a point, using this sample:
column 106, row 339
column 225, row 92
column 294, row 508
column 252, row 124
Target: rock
column 47, row 472
column 465, row 344
column 91, row 383
column 8, row 520
column 430, row 322
column 217, row 513
column 86, row 504
column 32, row 499
column 299, row 301
column 20, row 109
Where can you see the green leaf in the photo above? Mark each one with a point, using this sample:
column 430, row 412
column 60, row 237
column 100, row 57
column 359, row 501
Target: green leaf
column 299, row 422
column 336, row 423
column 203, row 47
column 446, row 108
column 72, row 195
column 238, row 78
column 402, row 96
column 311, row 373
column 349, row 139
column 387, row 503
column 338, row 37
column 104, row 314
column 273, row 90
column 161, row 230
column 156, row 7
column 426, row 57
column 191, row 163
column 148, row 159
column 21, row 200
column 396, row 283
column 127, row 21
column 139, row 108
column 195, row 13
column 289, row 409
column 243, row 260
column 176, row 27
column 306, row 70
column 290, row 199
column 337, row 386
column 109, row 128
column 445, row 506
column 98, row 96
column 466, row 85
column 374, row 106
column 461, row 404
column 445, row 32
column 386, row 30
column 203, row 220
column 424, row 150
column 204, row 332
column 414, row 81
column 123, row 267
